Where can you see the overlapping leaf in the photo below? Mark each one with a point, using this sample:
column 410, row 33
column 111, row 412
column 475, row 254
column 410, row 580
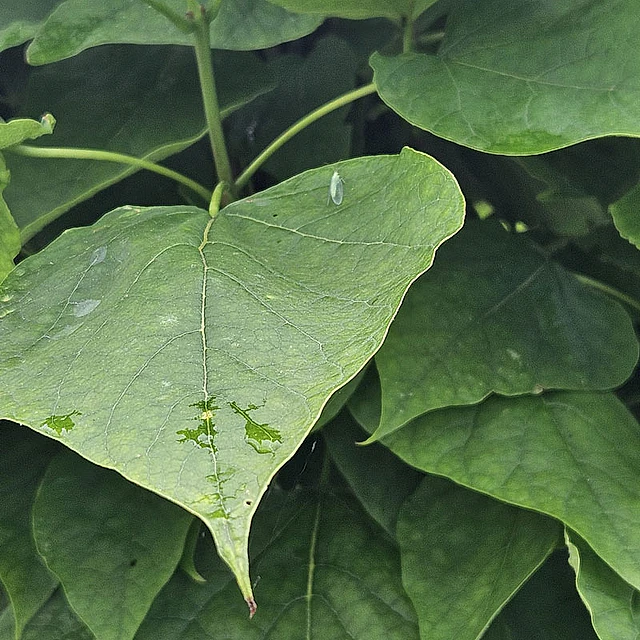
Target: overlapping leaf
column 143, row 102
column 572, row 455
column 103, row 535
column 194, row 356
column 21, row 20
column 612, row 603
column 626, row 216
column 522, row 78
column 495, row 315
column 464, row 555
column 77, row 25
column 315, row 580
column 23, row 460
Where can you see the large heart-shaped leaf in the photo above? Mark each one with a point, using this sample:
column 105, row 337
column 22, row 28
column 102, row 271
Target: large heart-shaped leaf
column 77, row 25
column 522, row 78
column 572, row 455
column 139, row 101
column 495, row 315
column 102, row 534
column 464, row 555
column 315, row 581
column 612, row 603
column 194, row 355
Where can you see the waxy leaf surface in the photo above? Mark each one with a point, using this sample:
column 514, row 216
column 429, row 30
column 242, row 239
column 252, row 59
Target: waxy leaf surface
column 240, row 25
column 315, row 580
column 194, row 355
column 464, row 555
column 23, row 460
column 612, row 602
column 143, row 102
column 572, row 455
column 523, row 78
column 495, row 315
column 103, row 535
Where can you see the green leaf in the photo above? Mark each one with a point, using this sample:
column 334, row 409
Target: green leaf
column 77, row 25
column 21, row 20
column 494, row 315
column 352, row 9
column 379, row 480
column 523, row 78
column 626, row 216
column 103, row 535
column 612, row 603
column 315, row 581
column 143, row 102
column 23, row 459
column 9, row 232
column 572, row 455
column 56, row 620
column 158, row 327
column 21, row 129
column 464, row 556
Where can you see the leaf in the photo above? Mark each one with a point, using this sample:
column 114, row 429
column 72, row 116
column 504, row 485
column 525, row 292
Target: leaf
column 194, row 355
column 143, row 102
column 572, row 455
column 523, row 78
column 379, row 480
column 494, row 315
column 77, row 25
column 21, row 129
column 626, row 216
column 23, row 459
column 612, row 603
column 315, row 580
column 9, row 232
column 464, row 556
column 103, row 535
column 57, row 621
column 21, row 20
column 352, row 9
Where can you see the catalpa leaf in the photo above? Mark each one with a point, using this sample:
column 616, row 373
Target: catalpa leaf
column 192, row 354
column 495, row 315
column 307, row 549
column 244, row 25
column 522, row 78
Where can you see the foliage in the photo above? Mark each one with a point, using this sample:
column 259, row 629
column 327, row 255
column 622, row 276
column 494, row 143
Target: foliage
column 186, row 370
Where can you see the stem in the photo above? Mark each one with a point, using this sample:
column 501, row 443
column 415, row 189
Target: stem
column 210, row 97
column 109, row 156
column 612, row 291
column 301, row 124
column 407, row 35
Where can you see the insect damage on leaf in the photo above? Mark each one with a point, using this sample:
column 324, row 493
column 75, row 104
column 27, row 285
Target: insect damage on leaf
column 60, row 423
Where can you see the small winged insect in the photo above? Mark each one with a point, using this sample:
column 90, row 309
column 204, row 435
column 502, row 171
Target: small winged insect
column 336, row 188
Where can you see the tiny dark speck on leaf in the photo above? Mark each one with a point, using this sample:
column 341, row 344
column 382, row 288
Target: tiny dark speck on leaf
column 133, row 563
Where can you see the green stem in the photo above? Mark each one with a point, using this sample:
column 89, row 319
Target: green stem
column 407, row 35
column 612, row 291
column 210, row 98
column 301, row 124
column 109, row 156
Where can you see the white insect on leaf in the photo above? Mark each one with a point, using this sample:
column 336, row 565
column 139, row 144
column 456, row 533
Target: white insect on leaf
column 336, row 189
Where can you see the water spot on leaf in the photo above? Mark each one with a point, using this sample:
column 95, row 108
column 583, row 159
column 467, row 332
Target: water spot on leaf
column 84, row 307
column 261, row 437
column 98, row 255
column 60, row 423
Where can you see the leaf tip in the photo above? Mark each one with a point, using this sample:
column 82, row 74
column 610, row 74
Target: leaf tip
column 253, row 607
